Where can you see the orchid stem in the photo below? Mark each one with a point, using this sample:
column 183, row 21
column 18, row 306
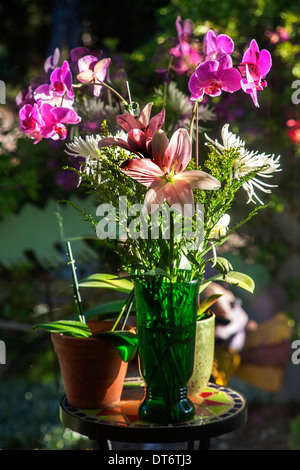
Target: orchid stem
column 194, row 110
column 77, row 296
column 120, row 97
column 197, row 135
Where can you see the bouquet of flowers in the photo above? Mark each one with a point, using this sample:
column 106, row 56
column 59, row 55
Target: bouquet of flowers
column 158, row 209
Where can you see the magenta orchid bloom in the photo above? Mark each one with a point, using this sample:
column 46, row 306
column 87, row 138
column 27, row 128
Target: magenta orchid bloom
column 185, row 53
column 31, row 121
column 140, row 131
column 42, row 120
column 254, row 67
column 213, row 76
column 60, row 91
column 165, row 175
column 54, row 119
column 52, row 61
column 92, row 70
column 214, row 47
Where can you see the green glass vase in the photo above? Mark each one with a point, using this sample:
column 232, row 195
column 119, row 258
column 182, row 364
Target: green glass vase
column 166, row 326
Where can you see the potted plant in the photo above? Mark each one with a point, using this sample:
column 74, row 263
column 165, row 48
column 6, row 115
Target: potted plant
column 93, row 354
column 162, row 214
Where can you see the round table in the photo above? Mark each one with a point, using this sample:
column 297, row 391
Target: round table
column 218, row 410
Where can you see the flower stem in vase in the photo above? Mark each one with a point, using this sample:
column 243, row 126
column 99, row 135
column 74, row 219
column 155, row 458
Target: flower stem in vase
column 166, row 332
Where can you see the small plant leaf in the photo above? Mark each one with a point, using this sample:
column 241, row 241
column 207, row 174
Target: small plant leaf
column 124, row 341
column 204, row 306
column 107, row 310
column 232, row 277
column 107, row 281
column 67, row 328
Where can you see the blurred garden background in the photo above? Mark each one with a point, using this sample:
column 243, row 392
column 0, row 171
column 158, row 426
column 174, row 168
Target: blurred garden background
column 137, row 36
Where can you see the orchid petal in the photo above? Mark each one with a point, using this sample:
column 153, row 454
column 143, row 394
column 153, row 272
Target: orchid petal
column 87, row 63
column 86, row 76
column 100, row 69
column 231, row 80
column 225, row 43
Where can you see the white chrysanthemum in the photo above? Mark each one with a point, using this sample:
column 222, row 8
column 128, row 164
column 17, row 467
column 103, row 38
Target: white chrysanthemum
column 85, row 147
column 248, row 162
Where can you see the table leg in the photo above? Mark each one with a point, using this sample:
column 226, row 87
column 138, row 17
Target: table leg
column 204, row 444
column 104, row 444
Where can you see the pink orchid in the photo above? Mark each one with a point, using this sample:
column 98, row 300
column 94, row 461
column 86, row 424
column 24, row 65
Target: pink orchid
column 213, row 76
column 42, row 120
column 140, row 131
column 186, row 52
column 52, row 61
column 254, row 67
column 92, row 70
column 31, row 121
column 60, row 90
column 54, row 119
column 214, row 47
column 165, row 175
column 79, row 52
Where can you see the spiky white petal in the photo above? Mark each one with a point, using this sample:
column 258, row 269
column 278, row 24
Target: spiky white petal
column 247, row 162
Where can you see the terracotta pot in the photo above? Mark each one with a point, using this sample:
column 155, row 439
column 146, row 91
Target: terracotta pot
column 204, row 356
column 92, row 370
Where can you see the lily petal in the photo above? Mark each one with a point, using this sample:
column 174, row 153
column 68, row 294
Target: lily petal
column 142, row 170
column 180, row 192
column 198, row 179
column 156, row 122
column 127, row 122
column 145, row 115
column 179, row 150
column 154, row 196
column 159, row 144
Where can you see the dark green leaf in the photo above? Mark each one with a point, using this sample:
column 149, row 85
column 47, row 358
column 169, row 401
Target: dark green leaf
column 124, row 341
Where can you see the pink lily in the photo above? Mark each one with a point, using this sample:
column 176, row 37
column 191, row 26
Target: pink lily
column 213, row 76
column 215, row 47
column 254, row 67
column 92, row 70
column 165, row 175
column 140, row 131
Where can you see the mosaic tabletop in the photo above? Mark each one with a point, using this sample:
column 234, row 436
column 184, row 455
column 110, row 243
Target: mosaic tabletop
column 218, row 410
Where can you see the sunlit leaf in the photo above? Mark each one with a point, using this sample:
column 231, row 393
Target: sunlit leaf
column 208, row 302
column 66, row 327
column 234, row 278
column 107, row 281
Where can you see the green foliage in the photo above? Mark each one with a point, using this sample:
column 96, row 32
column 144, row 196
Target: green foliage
column 29, row 420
